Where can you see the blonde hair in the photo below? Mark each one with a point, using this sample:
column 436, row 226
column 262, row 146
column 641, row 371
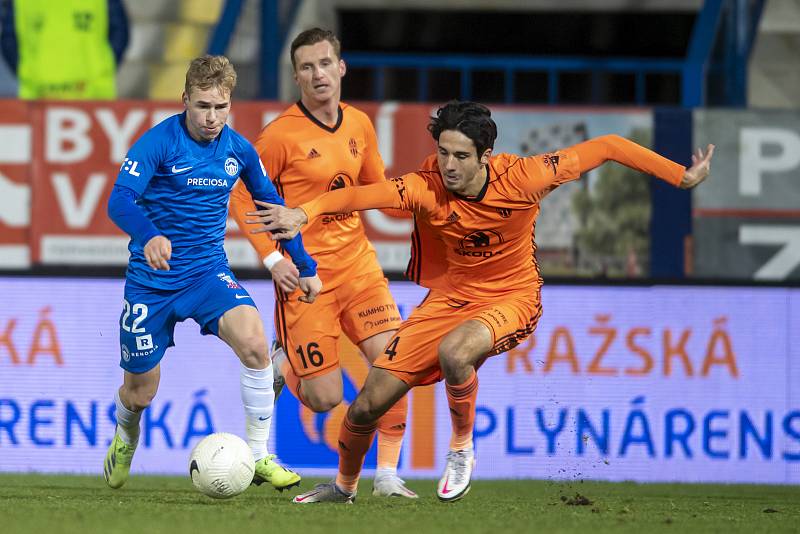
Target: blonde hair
column 208, row 71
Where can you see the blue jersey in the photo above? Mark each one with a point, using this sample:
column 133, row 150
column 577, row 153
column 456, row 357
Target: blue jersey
column 183, row 187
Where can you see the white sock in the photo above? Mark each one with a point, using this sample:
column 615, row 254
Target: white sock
column 258, row 398
column 385, row 472
column 127, row 422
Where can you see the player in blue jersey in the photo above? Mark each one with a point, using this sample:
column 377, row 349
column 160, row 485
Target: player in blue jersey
column 171, row 197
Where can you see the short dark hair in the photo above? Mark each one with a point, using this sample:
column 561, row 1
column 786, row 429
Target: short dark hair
column 314, row 36
column 470, row 118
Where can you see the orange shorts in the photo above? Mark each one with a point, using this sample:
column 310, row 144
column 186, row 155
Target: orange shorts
column 412, row 353
column 309, row 333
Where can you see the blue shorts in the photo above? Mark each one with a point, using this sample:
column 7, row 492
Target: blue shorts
column 149, row 316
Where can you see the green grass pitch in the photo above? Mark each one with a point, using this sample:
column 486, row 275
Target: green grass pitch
column 46, row 503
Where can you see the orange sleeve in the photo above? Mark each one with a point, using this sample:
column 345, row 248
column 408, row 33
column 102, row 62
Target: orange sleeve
column 594, row 152
column 407, row 193
column 273, row 157
column 242, row 202
column 347, row 199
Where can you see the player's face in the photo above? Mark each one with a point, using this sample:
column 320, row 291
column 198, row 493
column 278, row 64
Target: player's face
column 463, row 172
column 206, row 112
column 318, row 72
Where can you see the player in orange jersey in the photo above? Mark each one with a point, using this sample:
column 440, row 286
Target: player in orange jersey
column 318, row 145
column 473, row 247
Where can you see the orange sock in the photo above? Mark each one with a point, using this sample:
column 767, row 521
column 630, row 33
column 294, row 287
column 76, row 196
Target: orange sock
column 461, row 399
column 391, row 427
column 354, row 442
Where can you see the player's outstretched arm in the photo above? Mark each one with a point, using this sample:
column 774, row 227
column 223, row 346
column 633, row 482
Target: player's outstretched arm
column 280, row 221
column 700, row 169
column 595, row 152
column 285, row 222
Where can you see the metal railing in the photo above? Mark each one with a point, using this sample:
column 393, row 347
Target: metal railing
column 728, row 25
column 509, row 66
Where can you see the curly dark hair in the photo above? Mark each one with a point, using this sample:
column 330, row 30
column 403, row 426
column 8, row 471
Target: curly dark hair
column 470, row 118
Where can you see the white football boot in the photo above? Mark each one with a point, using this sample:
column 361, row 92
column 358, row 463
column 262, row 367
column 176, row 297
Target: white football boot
column 455, row 481
column 391, row 486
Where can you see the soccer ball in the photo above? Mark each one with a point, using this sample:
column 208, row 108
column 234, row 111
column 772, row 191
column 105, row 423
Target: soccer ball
column 221, row 465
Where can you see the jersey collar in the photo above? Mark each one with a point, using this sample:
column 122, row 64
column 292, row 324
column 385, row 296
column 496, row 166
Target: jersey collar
column 482, row 192
column 319, row 123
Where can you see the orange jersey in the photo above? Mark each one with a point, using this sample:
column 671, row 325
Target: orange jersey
column 305, row 158
column 482, row 248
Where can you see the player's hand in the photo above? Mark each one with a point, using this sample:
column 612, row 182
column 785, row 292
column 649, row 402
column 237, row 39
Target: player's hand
column 285, row 275
column 282, row 222
column 701, row 166
column 310, row 286
column 157, row 252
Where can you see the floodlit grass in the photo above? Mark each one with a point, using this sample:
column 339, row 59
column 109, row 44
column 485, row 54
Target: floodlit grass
column 47, row 503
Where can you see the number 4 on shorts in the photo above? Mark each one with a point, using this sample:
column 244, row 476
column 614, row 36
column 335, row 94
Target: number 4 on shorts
column 391, row 348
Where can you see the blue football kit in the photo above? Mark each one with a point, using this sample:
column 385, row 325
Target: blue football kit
column 171, row 185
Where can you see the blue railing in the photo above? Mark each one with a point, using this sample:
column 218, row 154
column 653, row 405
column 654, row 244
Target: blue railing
column 275, row 25
column 509, row 66
column 738, row 18
column 221, row 36
column 734, row 22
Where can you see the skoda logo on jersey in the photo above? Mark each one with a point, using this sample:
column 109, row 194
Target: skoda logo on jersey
column 480, row 239
column 340, row 181
column 231, row 166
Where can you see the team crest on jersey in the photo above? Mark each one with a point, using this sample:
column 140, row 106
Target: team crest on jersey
column 231, row 166
column 340, row 181
column 353, row 147
column 226, row 278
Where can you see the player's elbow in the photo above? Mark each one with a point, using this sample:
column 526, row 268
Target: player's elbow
column 114, row 207
column 610, row 140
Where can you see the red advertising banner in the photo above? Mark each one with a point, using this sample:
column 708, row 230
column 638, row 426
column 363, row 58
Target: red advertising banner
column 15, row 189
column 75, row 150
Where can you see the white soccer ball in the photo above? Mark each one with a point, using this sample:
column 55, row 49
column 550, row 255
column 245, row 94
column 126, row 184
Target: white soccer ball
column 221, row 465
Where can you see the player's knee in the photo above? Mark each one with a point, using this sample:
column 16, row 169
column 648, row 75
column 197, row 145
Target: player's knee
column 253, row 352
column 364, row 411
column 322, row 401
column 139, row 398
column 452, row 355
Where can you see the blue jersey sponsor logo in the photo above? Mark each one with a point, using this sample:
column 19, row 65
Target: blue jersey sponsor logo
column 207, row 182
